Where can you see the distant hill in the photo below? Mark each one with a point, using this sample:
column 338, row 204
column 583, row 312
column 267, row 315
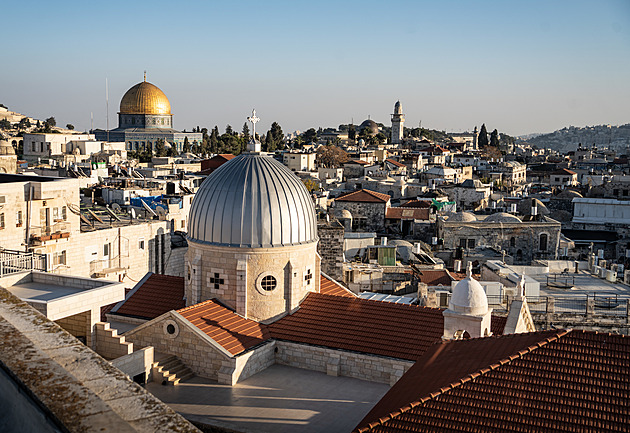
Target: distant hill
column 566, row 139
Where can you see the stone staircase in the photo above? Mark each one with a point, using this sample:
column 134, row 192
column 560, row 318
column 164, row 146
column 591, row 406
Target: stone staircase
column 170, row 370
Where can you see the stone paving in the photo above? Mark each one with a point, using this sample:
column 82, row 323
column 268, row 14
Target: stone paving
column 279, row 399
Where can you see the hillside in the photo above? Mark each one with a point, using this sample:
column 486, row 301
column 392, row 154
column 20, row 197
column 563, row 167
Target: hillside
column 566, row 139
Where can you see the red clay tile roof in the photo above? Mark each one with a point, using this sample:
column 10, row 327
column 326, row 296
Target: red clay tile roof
column 329, row 287
column 400, row 213
column 418, row 204
column 396, row 163
column 153, row 297
column 235, row 333
column 105, row 309
column 356, row 161
column 560, row 381
column 436, row 277
column 364, row 196
column 361, row 325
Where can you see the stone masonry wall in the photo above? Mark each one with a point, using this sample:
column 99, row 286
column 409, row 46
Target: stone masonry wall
column 247, row 364
column 341, row 363
column 330, row 248
column 203, row 359
column 109, row 344
column 78, row 325
column 373, row 213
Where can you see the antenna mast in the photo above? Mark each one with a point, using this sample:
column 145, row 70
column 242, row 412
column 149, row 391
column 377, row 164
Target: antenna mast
column 107, row 107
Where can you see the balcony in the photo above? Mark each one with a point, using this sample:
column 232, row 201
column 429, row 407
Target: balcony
column 59, row 230
column 12, row 261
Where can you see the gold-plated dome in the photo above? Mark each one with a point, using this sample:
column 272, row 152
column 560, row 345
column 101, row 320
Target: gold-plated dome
column 145, row 98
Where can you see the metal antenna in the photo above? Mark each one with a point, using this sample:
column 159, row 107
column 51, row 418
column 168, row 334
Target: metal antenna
column 107, row 107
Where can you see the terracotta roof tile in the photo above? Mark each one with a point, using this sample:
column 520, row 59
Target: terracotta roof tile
column 330, row 287
column 406, row 213
column 364, row 196
column 233, row 332
column 561, row 381
column 356, row 161
column 153, row 297
column 361, row 325
column 435, row 277
column 396, row 163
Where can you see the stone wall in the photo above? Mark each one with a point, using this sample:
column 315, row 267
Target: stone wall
column 138, row 362
column 78, row 325
column 188, row 344
column 365, row 216
column 109, row 344
column 234, row 275
column 247, row 364
column 176, row 262
column 341, row 363
column 330, row 248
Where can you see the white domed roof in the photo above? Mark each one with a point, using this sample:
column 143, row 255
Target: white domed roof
column 343, row 214
column 469, row 297
column 502, row 217
column 461, row 217
column 252, row 201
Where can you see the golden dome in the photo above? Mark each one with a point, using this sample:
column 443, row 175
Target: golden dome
column 145, row 98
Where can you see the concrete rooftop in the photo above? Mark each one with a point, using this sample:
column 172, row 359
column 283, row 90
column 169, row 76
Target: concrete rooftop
column 44, row 292
column 278, row 399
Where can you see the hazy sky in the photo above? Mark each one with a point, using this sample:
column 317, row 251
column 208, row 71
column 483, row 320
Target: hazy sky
column 519, row 66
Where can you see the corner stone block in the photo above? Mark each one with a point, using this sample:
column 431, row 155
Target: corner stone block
column 333, row 365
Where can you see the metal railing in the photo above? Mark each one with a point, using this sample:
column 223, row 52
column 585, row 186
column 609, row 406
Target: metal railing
column 58, row 227
column 12, row 261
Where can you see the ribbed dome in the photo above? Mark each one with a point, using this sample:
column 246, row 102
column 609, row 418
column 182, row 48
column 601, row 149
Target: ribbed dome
column 461, row 217
column 145, row 98
column 502, row 217
column 252, row 201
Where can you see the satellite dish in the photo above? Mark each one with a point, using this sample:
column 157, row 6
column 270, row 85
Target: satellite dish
column 116, row 207
column 160, row 211
column 132, row 212
column 100, row 179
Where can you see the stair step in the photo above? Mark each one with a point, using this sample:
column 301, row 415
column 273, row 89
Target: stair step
column 172, row 370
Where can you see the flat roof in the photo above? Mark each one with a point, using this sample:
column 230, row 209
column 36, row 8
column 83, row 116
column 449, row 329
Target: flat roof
column 43, row 292
column 278, row 399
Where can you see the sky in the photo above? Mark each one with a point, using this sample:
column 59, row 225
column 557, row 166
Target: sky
column 518, row 66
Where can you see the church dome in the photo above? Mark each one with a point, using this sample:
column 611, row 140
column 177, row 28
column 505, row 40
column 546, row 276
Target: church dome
column 469, row 297
column 252, row 201
column 145, row 98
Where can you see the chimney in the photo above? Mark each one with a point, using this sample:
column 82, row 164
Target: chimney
column 534, row 210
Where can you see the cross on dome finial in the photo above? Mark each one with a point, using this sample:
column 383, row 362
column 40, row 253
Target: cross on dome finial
column 145, row 76
column 469, row 270
column 254, row 120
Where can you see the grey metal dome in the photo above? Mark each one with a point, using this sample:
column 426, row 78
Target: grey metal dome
column 252, row 201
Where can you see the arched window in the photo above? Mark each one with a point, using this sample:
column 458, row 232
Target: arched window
column 543, row 242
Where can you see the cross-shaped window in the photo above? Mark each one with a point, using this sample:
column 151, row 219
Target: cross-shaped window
column 308, row 277
column 218, row 282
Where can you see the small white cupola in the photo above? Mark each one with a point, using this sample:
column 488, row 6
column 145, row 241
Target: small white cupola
column 468, row 310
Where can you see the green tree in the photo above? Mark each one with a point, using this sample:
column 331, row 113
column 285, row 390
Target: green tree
column 352, row 132
column 310, row 184
column 51, row 121
column 275, row 137
column 70, row 126
column 494, row 138
column 24, row 123
column 246, row 132
column 483, row 137
column 310, row 136
column 214, row 141
column 160, row 148
column 186, row 147
column 5, row 124
column 229, row 130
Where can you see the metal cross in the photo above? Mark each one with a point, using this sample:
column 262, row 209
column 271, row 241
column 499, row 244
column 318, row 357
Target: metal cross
column 254, row 121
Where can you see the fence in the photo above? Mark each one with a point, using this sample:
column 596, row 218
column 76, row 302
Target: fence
column 12, row 261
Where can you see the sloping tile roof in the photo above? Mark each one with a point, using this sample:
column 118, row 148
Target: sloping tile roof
column 153, row 297
column 361, row 325
column 364, row 196
column 400, row 213
column 356, row 161
column 396, row 163
column 235, row 333
column 330, row 287
column 560, row 381
column 436, row 277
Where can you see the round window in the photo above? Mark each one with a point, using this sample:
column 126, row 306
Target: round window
column 268, row 283
column 170, row 328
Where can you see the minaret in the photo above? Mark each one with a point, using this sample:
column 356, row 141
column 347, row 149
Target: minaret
column 398, row 121
column 475, row 143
